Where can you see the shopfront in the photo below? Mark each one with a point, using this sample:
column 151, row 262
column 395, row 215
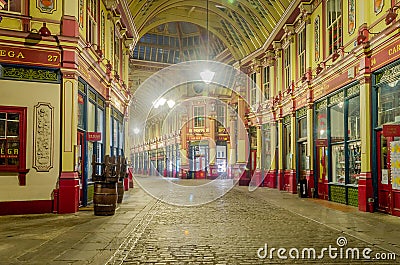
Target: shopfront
column 301, row 139
column 117, row 133
column 91, row 136
column 287, row 155
column 198, row 160
column 337, row 141
column 386, row 120
column 321, row 149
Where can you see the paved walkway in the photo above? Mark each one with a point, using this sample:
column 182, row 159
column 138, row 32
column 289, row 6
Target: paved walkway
column 230, row 230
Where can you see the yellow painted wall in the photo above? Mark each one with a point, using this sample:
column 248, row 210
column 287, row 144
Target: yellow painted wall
column 39, row 185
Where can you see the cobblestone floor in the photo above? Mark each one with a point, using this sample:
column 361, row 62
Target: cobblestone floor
column 231, row 230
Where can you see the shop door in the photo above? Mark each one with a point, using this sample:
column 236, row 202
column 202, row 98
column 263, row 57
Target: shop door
column 198, row 155
column 81, row 167
column 388, row 198
column 322, row 173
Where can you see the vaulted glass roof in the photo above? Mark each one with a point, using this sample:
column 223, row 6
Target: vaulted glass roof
column 241, row 26
column 175, row 42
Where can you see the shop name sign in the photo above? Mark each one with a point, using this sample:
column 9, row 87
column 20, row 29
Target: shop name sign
column 391, row 130
column 29, row 56
column 93, row 136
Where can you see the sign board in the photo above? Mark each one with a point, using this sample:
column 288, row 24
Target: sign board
column 321, row 142
column 93, row 136
column 391, row 130
column 29, row 56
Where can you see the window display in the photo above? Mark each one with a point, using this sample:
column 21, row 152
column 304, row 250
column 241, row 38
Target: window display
column 354, row 150
column 338, row 164
column 10, row 137
column 354, row 118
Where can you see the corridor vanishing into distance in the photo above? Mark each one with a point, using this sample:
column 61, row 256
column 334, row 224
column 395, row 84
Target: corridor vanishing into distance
column 228, row 230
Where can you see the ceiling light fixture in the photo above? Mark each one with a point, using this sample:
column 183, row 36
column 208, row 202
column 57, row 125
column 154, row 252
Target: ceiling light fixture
column 207, row 75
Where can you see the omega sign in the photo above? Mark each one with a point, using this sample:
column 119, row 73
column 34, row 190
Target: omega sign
column 29, row 56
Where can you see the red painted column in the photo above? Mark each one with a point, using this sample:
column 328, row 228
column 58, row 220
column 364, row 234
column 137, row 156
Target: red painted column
column 281, row 175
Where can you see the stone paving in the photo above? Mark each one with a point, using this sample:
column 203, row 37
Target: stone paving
column 229, row 230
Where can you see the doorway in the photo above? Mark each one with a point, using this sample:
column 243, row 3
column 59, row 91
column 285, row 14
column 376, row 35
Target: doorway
column 388, row 196
column 81, row 168
column 322, row 173
column 198, row 161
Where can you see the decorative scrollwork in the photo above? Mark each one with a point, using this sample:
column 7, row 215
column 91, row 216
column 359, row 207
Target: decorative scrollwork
column 43, row 137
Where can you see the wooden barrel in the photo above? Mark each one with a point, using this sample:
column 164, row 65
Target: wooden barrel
column 120, row 189
column 105, row 198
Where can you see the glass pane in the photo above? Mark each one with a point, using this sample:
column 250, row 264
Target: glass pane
column 120, row 135
column 303, row 156
column 354, row 118
column 12, row 128
column 12, row 149
column 338, row 164
column 2, row 128
column 287, row 146
column 2, row 115
column 303, row 128
column 322, row 124
column 389, row 103
column 354, row 162
column 3, row 150
column 13, row 116
column 81, row 114
column 100, row 122
column 90, row 154
column 115, row 133
column 337, row 123
column 91, row 117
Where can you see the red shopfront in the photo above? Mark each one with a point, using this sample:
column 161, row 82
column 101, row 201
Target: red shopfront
column 386, row 143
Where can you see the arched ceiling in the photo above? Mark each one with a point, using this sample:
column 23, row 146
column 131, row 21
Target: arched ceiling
column 242, row 25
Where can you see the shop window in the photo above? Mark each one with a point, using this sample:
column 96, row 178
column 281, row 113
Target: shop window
column 354, row 118
column 286, row 64
column 337, row 122
column 345, row 137
column 12, row 139
column 389, row 102
column 13, row 6
column 287, row 145
column 301, row 51
column 266, row 82
column 338, row 164
column 198, row 116
column 334, row 25
column 81, row 111
column 302, row 127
